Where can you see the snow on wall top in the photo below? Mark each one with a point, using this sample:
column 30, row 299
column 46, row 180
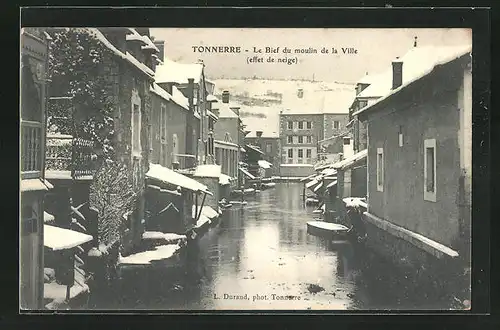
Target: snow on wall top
column 57, row 238
column 169, row 176
column 208, row 171
column 135, row 36
column 417, row 63
column 174, row 72
column 160, row 92
column 128, row 57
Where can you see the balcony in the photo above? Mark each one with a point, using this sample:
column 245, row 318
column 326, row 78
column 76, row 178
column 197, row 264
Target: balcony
column 69, row 157
column 31, row 149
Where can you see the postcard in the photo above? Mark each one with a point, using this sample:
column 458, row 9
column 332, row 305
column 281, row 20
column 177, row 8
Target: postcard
column 197, row 169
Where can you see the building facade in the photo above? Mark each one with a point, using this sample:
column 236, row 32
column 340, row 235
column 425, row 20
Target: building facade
column 34, row 61
column 421, row 135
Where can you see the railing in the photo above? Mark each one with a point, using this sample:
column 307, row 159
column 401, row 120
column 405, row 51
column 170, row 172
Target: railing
column 66, row 153
column 31, row 148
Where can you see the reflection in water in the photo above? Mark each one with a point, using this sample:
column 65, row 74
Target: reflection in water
column 262, row 250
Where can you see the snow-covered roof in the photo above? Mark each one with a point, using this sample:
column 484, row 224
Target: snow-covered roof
column 47, row 217
column 264, row 164
column 169, row 176
column 417, row 63
column 331, row 184
column 333, row 101
column 160, row 92
column 219, row 143
column 127, row 56
column 208, row 171
column 296, row 165
column 254, row 148
column 145, row 258
column 225, row 110
column 57, row 238
column 212, row 98
column 244, row 171
column 264, row 119
column 146, row 41
column 179, row 98
column 35, row 185
column 179, row 73
column 207, row 211
column 355, row 202
column 350, row 160
column 213, row 115
column 224, row 179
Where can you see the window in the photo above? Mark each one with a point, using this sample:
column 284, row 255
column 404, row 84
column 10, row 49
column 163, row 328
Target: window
column 163, row 123
column 301, row 153
column 269, row 147
column 290, row 125
column 309, row 139
column 309, row 125
column 380, row 169
column 289, row 139
column 363, row 104
column 430, row 170
column 336, row 124
column 136, row 130
column 301, row 125
column 175, row 148
column 290, row 156
column 301, row 139
column 308, row 153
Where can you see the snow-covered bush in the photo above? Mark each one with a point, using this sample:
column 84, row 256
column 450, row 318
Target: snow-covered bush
column 77, row 63
column 112, row 195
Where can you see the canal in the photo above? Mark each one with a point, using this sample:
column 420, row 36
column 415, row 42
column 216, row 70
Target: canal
column 261, row 257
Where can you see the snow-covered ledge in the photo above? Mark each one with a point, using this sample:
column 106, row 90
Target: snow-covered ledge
column 436, row 249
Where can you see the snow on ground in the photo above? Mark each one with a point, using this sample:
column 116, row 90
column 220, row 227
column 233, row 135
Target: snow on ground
column 145, row 258
column 56, row 293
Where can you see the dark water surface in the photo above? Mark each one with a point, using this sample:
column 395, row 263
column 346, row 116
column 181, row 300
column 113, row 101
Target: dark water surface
column 262, row 250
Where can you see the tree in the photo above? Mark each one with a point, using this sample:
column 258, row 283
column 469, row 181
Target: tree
column 113, row 197
column 78, row 65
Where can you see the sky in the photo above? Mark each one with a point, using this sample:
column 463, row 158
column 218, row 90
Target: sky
column 375, row 49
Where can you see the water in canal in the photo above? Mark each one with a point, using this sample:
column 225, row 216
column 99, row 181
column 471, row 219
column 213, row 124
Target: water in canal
column 261, row 252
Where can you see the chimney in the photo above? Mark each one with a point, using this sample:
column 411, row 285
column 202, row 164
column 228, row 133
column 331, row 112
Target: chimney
column 225, row 97
column 300, row 93
column 397, row 73
column 415, row 42
column 259, row 133
column 160, row 44
column 236, row 110
column 167, row 87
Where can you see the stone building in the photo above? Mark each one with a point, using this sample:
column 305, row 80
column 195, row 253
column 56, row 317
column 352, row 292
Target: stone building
column 308, row 117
